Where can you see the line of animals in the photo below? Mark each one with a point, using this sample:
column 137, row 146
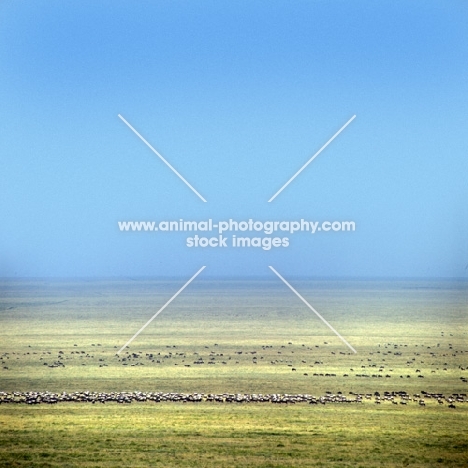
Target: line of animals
column 400, row 397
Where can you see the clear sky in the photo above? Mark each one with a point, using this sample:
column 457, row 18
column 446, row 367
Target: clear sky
column 237, row 96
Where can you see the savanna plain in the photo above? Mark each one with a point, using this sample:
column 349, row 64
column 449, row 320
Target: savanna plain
column 233, row 374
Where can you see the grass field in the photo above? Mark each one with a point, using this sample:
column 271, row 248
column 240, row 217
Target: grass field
column 231, row 436
column 235, row 337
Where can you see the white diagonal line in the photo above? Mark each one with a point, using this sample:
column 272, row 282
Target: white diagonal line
column 312, row 309
column 312, row 158
column 159, row 156
column 161, row 309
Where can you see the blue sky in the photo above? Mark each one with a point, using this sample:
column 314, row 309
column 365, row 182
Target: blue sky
column 237, row 96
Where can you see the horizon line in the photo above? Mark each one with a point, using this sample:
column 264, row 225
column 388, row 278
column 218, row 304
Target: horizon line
column 232, row 277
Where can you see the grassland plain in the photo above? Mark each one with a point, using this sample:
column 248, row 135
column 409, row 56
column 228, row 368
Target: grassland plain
column 236, row 337
column 213, row 435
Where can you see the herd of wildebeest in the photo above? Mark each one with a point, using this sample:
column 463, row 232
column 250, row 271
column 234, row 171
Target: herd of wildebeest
column 399, row 397
column 417, row 360
column 379, row 363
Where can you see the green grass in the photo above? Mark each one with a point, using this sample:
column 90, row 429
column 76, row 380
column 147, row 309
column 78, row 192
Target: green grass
column 400, row 328
column 231, row 436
